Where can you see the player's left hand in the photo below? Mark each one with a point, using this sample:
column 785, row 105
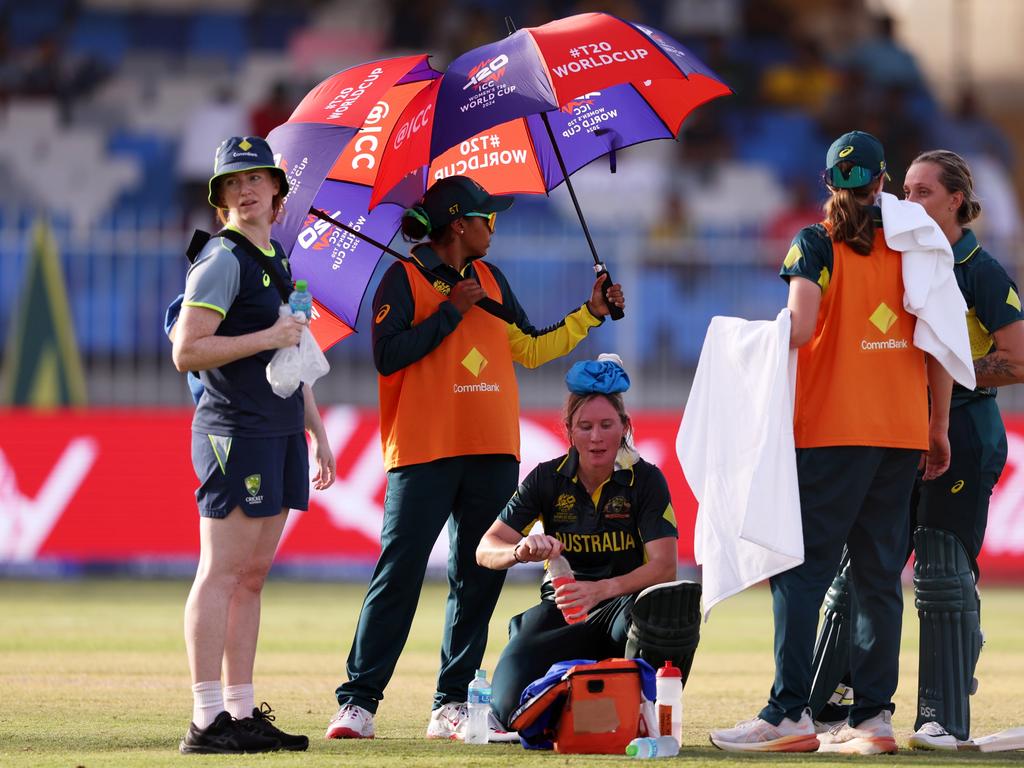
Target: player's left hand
column 597, row 305
column 325, row 466
column 580, row 596
column 936, row 461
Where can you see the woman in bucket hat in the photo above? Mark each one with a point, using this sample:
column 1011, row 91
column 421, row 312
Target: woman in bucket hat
column 449, row 412
column 248, row 447
column 861, row 421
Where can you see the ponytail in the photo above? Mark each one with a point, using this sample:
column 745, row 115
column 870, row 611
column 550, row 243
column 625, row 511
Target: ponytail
column 848, row 218
column 416, row 225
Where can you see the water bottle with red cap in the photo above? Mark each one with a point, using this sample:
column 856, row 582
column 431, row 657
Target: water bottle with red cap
column 669, row 703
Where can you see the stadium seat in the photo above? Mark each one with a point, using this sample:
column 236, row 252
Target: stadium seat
column 157, row 188
column 158, row 32
column 218, row 36
column 104, row 36
column 32, row 22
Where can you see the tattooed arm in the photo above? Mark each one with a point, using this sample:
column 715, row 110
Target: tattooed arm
column 1005, row 364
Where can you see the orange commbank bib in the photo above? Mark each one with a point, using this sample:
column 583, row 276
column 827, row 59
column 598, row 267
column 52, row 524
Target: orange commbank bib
column 460, row 399
column 860, row 379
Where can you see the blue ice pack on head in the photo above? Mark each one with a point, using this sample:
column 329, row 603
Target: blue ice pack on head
column 596, row 377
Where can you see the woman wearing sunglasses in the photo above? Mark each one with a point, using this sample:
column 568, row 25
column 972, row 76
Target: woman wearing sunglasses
column 449, row 415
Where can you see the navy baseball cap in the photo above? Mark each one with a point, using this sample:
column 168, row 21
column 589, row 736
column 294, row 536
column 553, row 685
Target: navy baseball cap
column 244, row 153
column 455, row 196
column 861, row 149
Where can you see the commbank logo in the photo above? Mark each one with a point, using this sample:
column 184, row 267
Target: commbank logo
column 474, row 362
column 883, row 318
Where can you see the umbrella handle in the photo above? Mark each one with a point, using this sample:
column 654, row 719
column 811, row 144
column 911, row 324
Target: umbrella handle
column 614, row 310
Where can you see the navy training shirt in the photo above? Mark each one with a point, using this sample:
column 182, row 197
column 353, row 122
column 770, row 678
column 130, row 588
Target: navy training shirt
column 237, row 400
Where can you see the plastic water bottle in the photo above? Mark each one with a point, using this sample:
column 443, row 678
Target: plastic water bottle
column 669, row 704
column 561, row 573
column 301, row 300
column 644, row 747
column 479, row 706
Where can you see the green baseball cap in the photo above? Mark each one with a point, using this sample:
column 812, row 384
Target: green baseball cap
column 452, row 197
column 243, row 153
column 864, row 151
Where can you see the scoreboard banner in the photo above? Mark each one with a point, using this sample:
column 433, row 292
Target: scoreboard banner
column 116, row 486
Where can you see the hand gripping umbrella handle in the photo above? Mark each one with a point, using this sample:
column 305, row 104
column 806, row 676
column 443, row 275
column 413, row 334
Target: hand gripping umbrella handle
column 614, row 310
column 487, row 304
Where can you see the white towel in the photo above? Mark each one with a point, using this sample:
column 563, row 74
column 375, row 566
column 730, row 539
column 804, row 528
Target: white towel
column 930, row 290
column 735, row 445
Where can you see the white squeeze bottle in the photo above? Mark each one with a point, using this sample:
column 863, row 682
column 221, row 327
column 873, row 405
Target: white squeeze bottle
column 669, row 704
column 645, row 746
column 479, row 705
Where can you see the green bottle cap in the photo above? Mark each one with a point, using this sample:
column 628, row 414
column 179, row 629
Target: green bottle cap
column 301, row 285
column 631, row 750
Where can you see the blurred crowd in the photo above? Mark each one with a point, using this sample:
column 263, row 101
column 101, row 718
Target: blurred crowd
column 801, row 72
column 128, row 98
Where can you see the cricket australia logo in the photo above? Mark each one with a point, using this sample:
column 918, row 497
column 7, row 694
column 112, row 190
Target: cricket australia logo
column 252, row 487
column 617, row 508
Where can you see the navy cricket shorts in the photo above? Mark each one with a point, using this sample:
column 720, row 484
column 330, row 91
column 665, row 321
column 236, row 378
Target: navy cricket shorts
column 262, row 475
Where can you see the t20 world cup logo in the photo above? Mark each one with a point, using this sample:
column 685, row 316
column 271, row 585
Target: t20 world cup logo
column 486, row 71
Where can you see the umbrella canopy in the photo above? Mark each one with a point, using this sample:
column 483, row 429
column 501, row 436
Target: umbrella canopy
column 521, row 114
column 330, row 149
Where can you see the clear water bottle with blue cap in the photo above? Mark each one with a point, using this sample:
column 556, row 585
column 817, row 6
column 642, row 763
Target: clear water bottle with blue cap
column 479, row 705
column 301, row 300
column 647, row 746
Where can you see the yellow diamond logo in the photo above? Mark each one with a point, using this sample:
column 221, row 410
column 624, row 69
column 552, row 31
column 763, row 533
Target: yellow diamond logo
column 244, row 145
column 883, row 318
column 474, row 362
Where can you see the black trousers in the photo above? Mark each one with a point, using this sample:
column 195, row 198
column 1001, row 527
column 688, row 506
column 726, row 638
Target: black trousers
column 467, row 493
column 539, row 637
column 858, row 496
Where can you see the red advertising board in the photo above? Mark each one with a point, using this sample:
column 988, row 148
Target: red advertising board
column 116, row 485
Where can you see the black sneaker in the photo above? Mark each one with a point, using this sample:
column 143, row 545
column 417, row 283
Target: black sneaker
column 261, row 724
column 225, row 736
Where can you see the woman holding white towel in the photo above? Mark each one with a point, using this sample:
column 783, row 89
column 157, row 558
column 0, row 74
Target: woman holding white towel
column 861, row 421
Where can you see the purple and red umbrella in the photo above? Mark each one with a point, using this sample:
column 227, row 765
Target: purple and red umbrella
column 330, row 149
column 522, row 114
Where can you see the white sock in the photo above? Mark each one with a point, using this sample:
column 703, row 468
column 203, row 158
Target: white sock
column 207, row 703
column 239, row 701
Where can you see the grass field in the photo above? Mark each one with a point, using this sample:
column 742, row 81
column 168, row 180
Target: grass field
column 93, row 673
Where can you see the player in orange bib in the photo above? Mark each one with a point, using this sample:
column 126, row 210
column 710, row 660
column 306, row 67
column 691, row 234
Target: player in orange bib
column 449, row 422
column 861, row 422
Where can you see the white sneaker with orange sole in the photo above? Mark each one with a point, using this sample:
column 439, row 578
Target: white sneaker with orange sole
column 759, row 735
column 874, row 736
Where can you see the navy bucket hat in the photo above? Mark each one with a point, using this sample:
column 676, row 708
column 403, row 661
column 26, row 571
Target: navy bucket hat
column 243, row 153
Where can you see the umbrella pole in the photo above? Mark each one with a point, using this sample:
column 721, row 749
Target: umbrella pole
column 599, row 267
column 489, row 305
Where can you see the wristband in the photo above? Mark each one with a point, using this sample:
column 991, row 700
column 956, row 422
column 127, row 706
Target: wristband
column 515, row 553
